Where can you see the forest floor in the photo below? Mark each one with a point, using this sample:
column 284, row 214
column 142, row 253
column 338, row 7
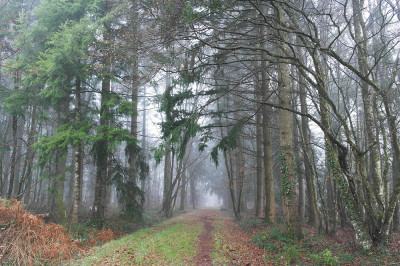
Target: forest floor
column 201, row 237
column 211, row 237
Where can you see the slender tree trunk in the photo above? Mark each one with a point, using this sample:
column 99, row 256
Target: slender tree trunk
column 170, row 199
column 77, row 189
column 57, row 196
column 109, row 186
column 367, row 96
column 313, row 209
column 13, row 156
column 396, row 216
column 183, row 191
column 167, row 161
column 6, row 157
column 300, row 173
column 383, row 237
column 13, row 162
column 193, row 192
column 145, row 182
column 27, row 193
column 269, row 188
column 259, row 206
column 30, row 155
column 229, row 164
column 286, row 157
column 133, row 150
column 296, row 152
column 240, row 175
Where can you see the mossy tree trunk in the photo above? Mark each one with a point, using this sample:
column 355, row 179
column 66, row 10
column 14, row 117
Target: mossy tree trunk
column 286, row 156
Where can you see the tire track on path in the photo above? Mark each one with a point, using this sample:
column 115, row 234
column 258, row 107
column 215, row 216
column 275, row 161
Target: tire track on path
column 205, row 245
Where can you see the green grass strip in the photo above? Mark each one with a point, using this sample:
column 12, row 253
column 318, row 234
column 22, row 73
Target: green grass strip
column 168, row 243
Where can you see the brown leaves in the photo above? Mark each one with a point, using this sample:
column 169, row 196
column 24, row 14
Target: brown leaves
column 236, row 245
column 27, row 238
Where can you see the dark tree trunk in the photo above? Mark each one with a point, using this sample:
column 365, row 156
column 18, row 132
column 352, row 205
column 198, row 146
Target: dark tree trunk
column 259, row 206
column 13, row 156
column 183, row 191
column 102, row 154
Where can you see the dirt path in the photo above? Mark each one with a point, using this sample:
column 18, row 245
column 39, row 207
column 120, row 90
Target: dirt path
column 205, row 246
column 203, row 237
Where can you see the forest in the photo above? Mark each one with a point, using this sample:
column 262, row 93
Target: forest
column 286, row 112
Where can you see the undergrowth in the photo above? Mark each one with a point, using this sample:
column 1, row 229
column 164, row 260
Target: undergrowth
column 314, row 248
column 27, row 240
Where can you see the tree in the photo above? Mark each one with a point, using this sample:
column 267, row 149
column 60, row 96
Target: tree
column 286, row 157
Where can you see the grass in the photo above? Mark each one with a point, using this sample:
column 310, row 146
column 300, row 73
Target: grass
column 220, row 244
column 173, row 242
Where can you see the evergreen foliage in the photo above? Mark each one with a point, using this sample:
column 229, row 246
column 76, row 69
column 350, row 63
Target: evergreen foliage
column 227, row 142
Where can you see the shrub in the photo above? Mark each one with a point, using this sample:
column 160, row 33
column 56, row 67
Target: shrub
column 291, row 253
column 325, row 258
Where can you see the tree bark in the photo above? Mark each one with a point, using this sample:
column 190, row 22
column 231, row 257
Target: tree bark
column 313, row 209
column 133, row 149
column 259, row 206
column 77, row 189
column 300, row 172
column 193, row 192
column 30, row 155
column 102, row 151
column 13, row 156
column 367, row 96
column 291, row 219
column 269, row 188
column 183, row 191
column 167, row 161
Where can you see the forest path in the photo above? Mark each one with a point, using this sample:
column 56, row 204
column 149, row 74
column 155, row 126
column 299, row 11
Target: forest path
column 205, row 245
column 203, row 237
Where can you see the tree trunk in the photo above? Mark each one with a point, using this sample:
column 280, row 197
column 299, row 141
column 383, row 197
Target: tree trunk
column 57, row 197
column 167, row 161
column 192, row 192
column 291, row 219
column 131, row 204
column 240, row 175
column 300, row 173
column 313, row 209
column 13, row 156
column 183, row 191
column 30, row 155
column 367, row 96
column 269, row 189
column 259, row 206
column 102, row 152
column 77, row 189
column 297, row 154
column 145, row 182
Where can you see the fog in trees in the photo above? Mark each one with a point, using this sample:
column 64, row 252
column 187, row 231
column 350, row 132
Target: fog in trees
column 286, row 110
